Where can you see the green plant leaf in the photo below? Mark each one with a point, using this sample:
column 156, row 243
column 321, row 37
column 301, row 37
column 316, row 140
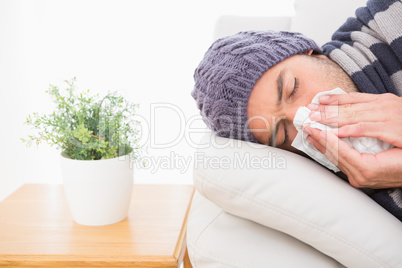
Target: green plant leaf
column 86, row 126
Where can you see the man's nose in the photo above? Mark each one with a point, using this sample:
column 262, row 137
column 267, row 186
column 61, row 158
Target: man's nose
column 291, row 113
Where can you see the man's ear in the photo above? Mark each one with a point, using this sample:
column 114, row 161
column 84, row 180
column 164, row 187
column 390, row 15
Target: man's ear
column 309, row 52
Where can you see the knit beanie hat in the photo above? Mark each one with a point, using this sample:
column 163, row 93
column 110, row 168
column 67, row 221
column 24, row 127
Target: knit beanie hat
column 229, row 70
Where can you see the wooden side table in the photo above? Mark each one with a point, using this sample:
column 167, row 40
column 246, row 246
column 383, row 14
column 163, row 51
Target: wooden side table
column 37, row 229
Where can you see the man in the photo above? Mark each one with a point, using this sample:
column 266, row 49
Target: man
column 250, row 85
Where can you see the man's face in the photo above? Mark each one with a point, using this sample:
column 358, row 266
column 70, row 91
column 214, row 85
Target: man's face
column 283, row 89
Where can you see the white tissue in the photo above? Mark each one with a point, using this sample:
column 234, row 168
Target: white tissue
column 361, row 144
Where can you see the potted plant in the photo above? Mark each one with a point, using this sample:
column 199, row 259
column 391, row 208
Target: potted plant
column 98, row 138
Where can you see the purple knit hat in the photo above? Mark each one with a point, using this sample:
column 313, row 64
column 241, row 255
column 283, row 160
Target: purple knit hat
column 229, row 70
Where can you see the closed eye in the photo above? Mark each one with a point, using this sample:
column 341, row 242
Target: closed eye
column 295, row 87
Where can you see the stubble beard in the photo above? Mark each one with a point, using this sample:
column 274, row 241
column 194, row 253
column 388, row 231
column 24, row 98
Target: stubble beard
column 335, row 75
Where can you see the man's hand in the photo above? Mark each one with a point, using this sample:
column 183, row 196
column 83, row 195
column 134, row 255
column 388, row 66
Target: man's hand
column 361, row 115
column 383, row 170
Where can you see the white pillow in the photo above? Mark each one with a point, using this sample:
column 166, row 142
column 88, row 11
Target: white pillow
column 295, row 195
column 319, row 19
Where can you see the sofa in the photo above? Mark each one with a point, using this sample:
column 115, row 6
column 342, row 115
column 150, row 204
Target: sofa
column 259, row 206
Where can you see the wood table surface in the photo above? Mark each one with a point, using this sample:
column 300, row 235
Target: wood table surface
column 37, row 230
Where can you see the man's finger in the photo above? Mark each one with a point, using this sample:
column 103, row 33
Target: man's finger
column 361, row 129
column 318, row 139
column 336, row 150
column 354, row 97
column 338, row 116
column 370, row 129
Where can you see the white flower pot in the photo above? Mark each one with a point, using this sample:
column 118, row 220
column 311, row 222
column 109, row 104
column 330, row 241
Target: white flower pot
column 98, row 192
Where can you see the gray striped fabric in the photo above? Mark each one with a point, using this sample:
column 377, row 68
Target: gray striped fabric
column 369, row 48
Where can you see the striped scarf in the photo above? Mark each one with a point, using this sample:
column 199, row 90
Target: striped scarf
column 368, row 47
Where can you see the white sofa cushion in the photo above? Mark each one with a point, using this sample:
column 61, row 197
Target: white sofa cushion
column 216, row 238
column 319, row 19
column 295, row 195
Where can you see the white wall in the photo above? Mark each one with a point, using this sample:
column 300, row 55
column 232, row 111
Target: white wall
column 147, row 50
